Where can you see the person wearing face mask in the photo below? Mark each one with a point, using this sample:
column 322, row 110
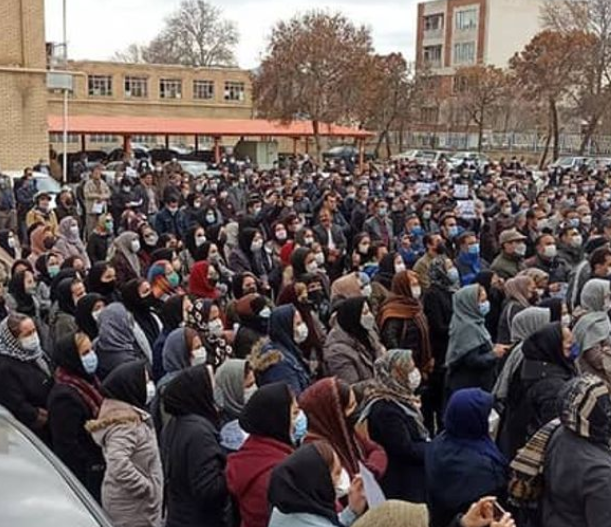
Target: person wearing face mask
column 132, row 489
column 69, row 241
column 331, row 409
column 25, row 373
column 41, row 212
column 546, row 259
column 149, row 242
column 450, row 232
column 203, row 281
column 137, row 299
column 437, row 305
column 61, row 318
column 195, row 240
column 253, row 312
column 472, row 358
column 353, row 344
column 189, row 216
column 75, row 399
column 193, row 459
column 99, row 241
column 520, row 293
column 391, row 412
column 592, row 335
column 166, row 220
column 304, row 488
column 270, row 441
column 379, row 226
column 469, row 262
column 123, row 256
column 462, row 463
column 434, row 246
column 549, row 356
column 402, row 321
column 511, row 259
column 281, row 359
column 10, row 252
column 164, row 280
column 248, row 256
column 88, row 309
column 47, row 267
column 331, row 237
column 234, row 385
column 570, row 247
column 102, row 279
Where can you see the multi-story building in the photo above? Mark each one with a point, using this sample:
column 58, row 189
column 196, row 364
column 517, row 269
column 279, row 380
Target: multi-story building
column 151, row 90
column 452, row 34
column 23, row 94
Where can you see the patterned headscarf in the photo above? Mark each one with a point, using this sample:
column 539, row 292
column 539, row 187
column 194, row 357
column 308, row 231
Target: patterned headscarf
column 10, row 347
column 438, row 274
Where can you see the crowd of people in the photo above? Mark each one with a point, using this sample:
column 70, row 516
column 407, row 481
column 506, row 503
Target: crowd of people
column 278, row 347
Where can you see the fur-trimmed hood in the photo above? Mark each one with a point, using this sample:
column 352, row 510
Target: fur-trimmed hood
column 260, row 358
column 114, row 413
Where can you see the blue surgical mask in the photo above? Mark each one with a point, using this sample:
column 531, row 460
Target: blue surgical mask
column 453, row 275
column 300, row 428
column 453, row 232
column 90, row 362
column 417, row 231
column 474, row 249
column 574, row 351
column 484, row 308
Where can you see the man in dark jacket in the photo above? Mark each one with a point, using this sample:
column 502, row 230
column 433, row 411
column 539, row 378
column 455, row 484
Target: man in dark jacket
column 166, row 222
column 546, row 259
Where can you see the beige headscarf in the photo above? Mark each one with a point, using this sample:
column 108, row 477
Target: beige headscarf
column 394, row 513
column 347, row 286
column 517, row 289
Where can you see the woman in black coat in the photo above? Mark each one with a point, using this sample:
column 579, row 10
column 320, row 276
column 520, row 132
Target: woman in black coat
column 193, row 460
column 547, row 367
column 75, row 399
column 25, row 373
column 445, row 281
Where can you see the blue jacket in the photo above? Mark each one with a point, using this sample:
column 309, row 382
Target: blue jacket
column 279, row 365
column 167, row 223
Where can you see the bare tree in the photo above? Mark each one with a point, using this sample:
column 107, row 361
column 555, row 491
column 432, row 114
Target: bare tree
column 314, row 69
column 194, row 35
column 592, row 94
column 132, row 54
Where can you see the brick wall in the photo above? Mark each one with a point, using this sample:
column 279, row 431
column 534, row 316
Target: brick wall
column 23, row 95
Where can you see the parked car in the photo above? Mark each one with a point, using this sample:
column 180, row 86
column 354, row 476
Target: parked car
column 37, row 488
column 44, row 183
column 602, row 163
column 345, row 153
column 420, row 156
column 195, row 168
column 474, row 158
column 139, row 153
column 569, row 162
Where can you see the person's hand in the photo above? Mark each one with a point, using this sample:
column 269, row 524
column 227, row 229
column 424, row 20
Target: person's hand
column 505, row 521
column 555, row 288
column 481, row 514
column 500, row 350
column 356, row 496
column 362, row 430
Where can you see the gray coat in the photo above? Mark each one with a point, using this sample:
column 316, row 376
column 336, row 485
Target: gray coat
column 132, row 490
column 577, row 481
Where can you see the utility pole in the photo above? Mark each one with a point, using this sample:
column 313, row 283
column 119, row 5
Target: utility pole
column 65, row 113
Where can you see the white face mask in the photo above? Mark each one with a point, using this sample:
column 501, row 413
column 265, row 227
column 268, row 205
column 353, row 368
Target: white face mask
column 550, row 251
column 566, row 320
column 368, row 321
column 342, row 487
column 11, row 242
column 521, row 249
column 320, row 258
column 301, row 333
column 249, row 392
column 216, row 327
column 414, row 379
column 416, row 292
column 199, row 356
column 199, row 241
column 96, row 314
column 281, row 235
column 151, row 391
column 266, row 312
column 31, row 343
column 366, row 290
column 135, row 246
column 74, row 230
column 312, row 267
column 399, row 267
column 256, row 246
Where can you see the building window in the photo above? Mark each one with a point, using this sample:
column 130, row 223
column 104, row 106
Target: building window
column 102, row 138
column 170, row 88
column 429, row 115
column 432, row 56
column 144, row 139
column 464, row 53
column 466, row 19
column 100, row 85
column 433, row 23
column 136, row 87
column 459, row 84
column 234, row 91
column 203, row 90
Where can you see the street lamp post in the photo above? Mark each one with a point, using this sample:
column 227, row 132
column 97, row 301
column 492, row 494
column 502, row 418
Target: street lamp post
column 65, row 109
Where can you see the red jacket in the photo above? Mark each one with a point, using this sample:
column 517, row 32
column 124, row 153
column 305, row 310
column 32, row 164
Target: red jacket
column 248, row 474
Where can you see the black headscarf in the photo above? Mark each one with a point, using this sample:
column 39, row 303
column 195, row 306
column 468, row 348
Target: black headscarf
column 82, row 314
column 302, row 484
column 62, row 275
column 171, row 313
column 95, row 284
column 190, row 392
column 545, row 345
column 257, row 419
column 555, row 307
column 197, row 253
column 386, row 271
column 41, row 266
column 164, row 253
column 238, row 283
column 66, row 355
column 245, row 238
column 4, row 235
column 25, row 301
column 141, row 309
column 349, row 318
column 127, row 383
column 298, row 261
column 64, row 296
column 25, row 263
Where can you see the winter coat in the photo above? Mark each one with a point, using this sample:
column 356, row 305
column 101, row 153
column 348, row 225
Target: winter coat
column 303, row 519
column 438, row 310
column 97, row 247
column 68, row 414
column 347, row 358
column 391, row 427
column 248, row 474
column 24, row 389
column 577, row 478
column 194, row 466
column 597, row 361
column 476, row 369
column 510, row 310
column 167, row 223
column 132, row 491
column 507, row 266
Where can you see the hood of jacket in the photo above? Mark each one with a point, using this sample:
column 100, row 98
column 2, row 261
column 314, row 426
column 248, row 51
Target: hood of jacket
column 114, row 413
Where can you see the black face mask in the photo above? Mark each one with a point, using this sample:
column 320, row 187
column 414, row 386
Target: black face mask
column 48, row 243
column 353, row 419
column 106, row 288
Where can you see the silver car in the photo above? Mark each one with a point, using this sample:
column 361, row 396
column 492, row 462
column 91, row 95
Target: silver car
column 37, row 489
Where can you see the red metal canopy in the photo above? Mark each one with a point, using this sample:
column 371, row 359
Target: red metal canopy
column 90, row 124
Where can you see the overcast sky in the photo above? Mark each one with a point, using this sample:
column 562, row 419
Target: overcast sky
column 98, row 28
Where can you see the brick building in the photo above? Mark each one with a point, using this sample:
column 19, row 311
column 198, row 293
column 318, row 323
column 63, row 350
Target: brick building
column 23, row 93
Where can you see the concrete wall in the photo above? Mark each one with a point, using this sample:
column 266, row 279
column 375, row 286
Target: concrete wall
column 23, row 94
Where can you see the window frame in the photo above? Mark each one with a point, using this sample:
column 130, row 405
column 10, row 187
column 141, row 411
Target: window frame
column 165, row 83
column 139, row 81
column 99, row 80
column 230, row 86
column 206, row 86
